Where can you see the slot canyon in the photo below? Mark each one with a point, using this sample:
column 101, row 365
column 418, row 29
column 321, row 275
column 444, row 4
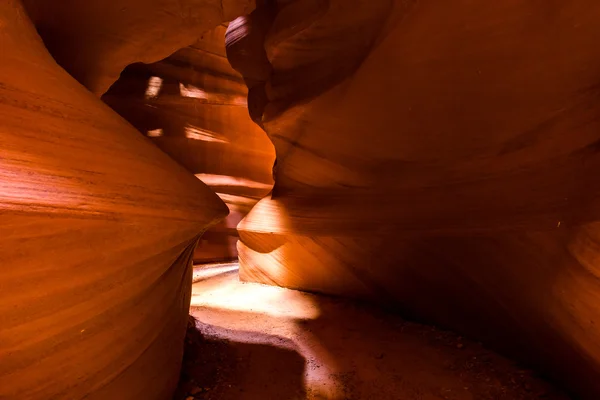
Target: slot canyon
column 299, row 199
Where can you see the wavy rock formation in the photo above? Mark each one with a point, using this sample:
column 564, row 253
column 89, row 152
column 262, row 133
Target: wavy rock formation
column 438, row 157
column 193, row 106
column 98, row 227
column 94, row 40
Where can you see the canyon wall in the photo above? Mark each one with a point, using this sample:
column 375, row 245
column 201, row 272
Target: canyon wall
column 192, row 104
column 436, row 157
column 98, row 229
column 94, row 40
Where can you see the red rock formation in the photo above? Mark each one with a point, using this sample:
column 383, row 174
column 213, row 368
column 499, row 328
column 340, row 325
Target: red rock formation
column 193, row 106
column 98, row 227
column 94, row 40
column 441, row 157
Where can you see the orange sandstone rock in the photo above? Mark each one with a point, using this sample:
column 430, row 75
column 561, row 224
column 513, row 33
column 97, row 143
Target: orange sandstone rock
column 193, row 106
column 94, row 40
column 98, row 228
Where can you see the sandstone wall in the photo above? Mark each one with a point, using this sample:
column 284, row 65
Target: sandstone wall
column 438, row 157
column 98, row 228
column 94, row 40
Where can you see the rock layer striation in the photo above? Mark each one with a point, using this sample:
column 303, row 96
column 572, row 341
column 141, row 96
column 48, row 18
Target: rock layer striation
column 440, row 158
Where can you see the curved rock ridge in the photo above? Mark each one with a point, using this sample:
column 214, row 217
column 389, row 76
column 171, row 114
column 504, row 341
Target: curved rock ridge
column 98, row 228
column 437, row 157
column 94, row 40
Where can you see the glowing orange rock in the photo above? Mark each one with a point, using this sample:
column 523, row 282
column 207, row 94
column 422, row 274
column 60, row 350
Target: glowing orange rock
column 98, row 227
column 193, row 106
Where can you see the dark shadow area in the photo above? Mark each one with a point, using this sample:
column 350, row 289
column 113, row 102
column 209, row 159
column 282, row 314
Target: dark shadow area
column 376, row 354
column 222, row 369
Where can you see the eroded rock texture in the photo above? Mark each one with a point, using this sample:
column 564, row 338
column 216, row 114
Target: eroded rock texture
column 98, row 228
column 438, row 156
column 193, row 106
column 94, row 40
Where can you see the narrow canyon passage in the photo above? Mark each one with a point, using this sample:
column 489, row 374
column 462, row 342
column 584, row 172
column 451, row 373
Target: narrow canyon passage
column 249, row 341
column 356, row 166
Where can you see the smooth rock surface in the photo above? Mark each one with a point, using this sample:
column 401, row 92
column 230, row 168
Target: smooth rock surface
column 438, row 157
column 98, row 228
column 94, row 40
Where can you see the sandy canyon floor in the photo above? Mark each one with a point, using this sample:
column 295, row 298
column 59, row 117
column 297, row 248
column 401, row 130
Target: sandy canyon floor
column 254, row 342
